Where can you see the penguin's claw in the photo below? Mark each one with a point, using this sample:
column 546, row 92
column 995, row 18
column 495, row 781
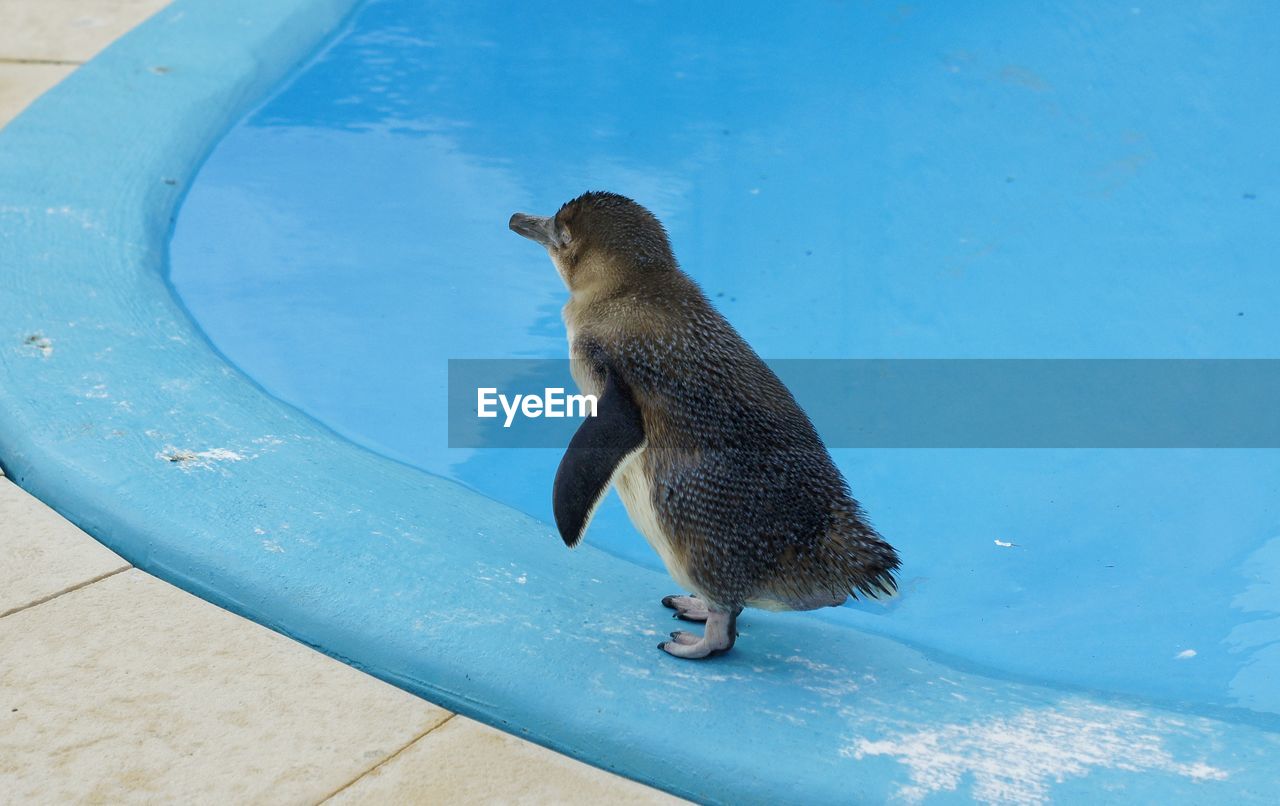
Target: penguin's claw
column 720, row 634
column 689, row 608
column 683, row 647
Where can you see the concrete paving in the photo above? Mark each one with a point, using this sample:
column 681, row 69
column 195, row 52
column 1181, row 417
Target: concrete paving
column 129, row 688
column 66, row 31
column 466, row 762
column 42, row 555
column 116, row 687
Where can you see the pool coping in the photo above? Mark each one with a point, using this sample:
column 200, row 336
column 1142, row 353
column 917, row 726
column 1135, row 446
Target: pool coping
column 116, row 410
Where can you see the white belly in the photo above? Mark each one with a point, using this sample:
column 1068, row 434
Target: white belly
column 633, row 488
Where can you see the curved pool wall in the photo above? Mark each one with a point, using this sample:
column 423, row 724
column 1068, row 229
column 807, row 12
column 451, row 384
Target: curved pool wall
column 116, row 410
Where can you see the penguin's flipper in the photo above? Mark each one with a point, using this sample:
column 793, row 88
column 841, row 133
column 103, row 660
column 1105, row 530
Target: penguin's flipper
column 601, row 447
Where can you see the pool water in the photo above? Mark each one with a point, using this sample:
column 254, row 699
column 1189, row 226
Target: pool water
column 844, row 180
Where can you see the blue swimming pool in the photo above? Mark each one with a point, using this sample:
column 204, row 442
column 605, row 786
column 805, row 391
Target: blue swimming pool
column 845, row 182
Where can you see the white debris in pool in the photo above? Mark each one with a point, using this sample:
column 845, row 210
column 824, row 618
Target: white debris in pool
column 40, row 344
column 187, row 459
column 273, row 546
column 1002, row 544
column 523, row 578
column 1014, row 759
column 1186, row 653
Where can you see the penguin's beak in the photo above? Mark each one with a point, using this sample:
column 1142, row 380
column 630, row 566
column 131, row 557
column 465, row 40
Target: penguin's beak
column 535, row 228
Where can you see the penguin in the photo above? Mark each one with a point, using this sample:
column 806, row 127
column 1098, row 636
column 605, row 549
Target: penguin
column 717, row 465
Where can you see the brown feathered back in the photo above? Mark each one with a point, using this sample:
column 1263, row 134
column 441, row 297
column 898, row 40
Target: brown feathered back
column 753, row 504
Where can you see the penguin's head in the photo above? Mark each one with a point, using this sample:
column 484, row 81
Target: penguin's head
column 600, row 239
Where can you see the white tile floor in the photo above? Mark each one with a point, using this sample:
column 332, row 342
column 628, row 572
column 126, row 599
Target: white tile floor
column 116, row 687
column 66, row 30
column 42, row 555
column 128, row 688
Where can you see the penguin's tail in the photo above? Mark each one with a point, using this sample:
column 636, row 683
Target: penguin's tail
column 883, row 585
column 859, row 566
column 866, row 562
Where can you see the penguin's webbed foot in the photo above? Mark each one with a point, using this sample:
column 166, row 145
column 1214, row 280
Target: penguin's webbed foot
column 719, row 637
column 689, row 608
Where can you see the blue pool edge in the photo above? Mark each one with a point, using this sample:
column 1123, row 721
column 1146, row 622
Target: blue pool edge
column 115, row 410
